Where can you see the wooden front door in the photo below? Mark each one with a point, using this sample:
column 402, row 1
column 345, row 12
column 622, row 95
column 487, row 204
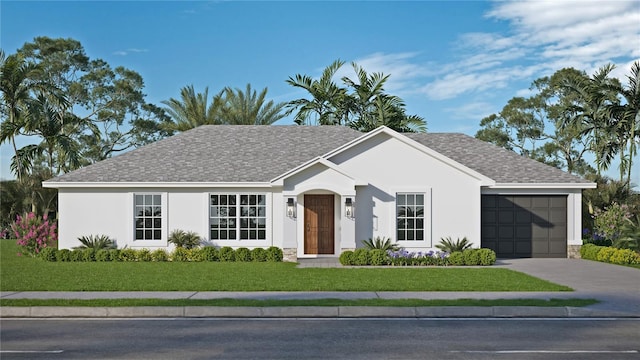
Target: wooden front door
column 318, row 224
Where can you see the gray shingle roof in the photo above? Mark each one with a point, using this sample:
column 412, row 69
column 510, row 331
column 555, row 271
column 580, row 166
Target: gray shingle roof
column 501, row 165
column 218, row 153
column 222, row 153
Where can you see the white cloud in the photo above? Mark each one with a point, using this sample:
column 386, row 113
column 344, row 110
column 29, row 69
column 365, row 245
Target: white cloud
column 471, row 111
column 543, row 37
column 128, row 51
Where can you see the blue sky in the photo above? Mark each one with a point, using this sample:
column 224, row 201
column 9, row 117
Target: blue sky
column 453, row 62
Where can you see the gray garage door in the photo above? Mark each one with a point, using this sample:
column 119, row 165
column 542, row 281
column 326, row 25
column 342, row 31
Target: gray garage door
column 525, row 226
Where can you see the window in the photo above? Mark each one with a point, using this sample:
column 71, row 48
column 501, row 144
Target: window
column 148, row 217
column 410, row 216
column 234, row 217
column 253, row 217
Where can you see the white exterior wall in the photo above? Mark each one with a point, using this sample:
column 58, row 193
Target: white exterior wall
column 110, row 212
column 84, row 212
column 391, row 166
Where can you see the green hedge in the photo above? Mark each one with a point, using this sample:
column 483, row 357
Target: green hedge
column 376, row 257
column 207, row 253
column 609, row 254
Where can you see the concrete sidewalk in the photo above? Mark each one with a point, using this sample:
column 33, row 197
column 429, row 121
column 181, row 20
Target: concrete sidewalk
column 617, row 287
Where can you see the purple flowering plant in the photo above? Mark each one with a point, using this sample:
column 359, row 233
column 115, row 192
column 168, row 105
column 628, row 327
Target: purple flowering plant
column 34, row 233
column 403, row 257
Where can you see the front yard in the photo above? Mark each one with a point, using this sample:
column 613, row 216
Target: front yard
column 31, row 274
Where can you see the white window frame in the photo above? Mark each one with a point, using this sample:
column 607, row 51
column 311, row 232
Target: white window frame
column 162, row 242
column 238, row 241
column 427, row 209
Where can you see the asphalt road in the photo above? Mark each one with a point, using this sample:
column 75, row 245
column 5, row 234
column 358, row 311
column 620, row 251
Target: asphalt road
column 320, row 339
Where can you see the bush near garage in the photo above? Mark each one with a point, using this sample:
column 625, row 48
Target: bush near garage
column 609, row 254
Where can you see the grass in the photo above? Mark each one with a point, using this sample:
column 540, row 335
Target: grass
column 31, row 274
column 315, row 302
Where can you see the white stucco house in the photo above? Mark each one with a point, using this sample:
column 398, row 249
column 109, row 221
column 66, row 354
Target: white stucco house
column 319, row 190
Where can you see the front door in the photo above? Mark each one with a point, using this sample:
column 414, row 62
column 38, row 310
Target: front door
column 318, row 224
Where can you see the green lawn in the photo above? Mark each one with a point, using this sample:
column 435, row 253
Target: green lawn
column 315, row 302
column 30, row 274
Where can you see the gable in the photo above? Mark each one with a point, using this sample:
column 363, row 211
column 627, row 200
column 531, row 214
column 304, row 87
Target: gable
column 386, row 149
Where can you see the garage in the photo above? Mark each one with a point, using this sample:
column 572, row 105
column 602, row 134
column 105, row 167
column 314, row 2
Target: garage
column 518, row 226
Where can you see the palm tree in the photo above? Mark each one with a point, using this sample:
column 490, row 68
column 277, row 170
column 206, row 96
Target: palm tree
column 327, row 104
column 595, row 95
column 373, row 107
column 626, row 119
column 249, row 107
column 17, row 87
column 192, row 110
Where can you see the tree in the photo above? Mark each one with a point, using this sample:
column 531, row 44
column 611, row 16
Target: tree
column 544, row 126
column 362, row 105
column 249, row 107
column 109, row 103
column 18, row 83
column 593, row 94
column 373, row 108
column 328, row 101
column 625, row 118
column 193, row 109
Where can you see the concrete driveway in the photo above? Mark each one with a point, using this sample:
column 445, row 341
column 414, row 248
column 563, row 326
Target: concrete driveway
column 618, row 287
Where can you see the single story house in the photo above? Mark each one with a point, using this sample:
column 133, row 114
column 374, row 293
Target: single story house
column 319, row 190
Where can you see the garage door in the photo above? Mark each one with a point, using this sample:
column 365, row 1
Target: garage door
column 525, row 226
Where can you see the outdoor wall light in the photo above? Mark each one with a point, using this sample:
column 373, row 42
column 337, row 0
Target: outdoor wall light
column 291, row 208
column 348, row 207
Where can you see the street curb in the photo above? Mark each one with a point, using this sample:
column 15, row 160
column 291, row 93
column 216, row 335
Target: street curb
column 307, row 312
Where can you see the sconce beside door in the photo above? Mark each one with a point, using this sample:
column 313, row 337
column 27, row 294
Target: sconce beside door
column 348, row 207
column 291, row 208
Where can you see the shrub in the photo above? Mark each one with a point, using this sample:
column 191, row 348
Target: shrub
column 180, row 255
column 590, row 251
column 274, row 254
column 184, row 239
column 102, row 255
column 346, row 258
column 96, row 242
column 159, row 255
column 76, row 255
column 127, row 255
column 209, row 253
column 381, row 243
column 625, row 257
column 361, row 257
column 258, row 255
column 448, row 245
column 34, row 233
column 605, row 254
column 63, row 255
column 143, row 255
column 195, row 255
column 456, row 258
column 243, row 254
column 114, row 255
column 487, row 257
column 378, row 257
column 88, row 254
column 48, row 254
column 227, row 254
column 471, row 257
column 608, row 223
